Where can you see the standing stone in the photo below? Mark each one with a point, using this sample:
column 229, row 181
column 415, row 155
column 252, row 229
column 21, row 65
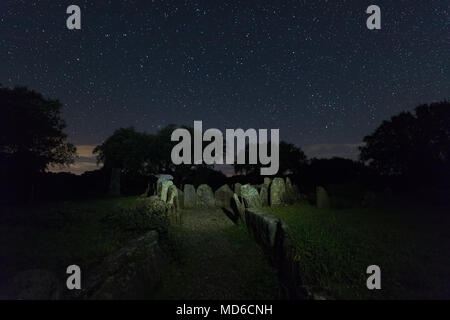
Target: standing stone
column 190, row 197
column 250, row 196
column 181, row 198
column 267, row 181
column 290, row 193
column 238, row 207
column 163, row 189
column 277, row 192
column 205, row 196
column 223, row 197
column 172, row 197
column 264, row 195
column 237, row 189
column 161, row 184
column 323, row 200
column 173, row 204
column 297, row 194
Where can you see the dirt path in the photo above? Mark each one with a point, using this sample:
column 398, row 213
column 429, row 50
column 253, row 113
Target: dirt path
column 216, row 259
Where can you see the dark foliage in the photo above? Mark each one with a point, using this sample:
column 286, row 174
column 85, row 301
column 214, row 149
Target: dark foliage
column 415, row 147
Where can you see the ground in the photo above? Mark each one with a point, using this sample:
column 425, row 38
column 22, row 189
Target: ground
column 216, row 259
column 409, row 241
column 212, row 258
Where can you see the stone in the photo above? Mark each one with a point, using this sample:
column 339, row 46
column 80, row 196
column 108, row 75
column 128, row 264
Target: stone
column 237, row 189
column 154, row 205
column 267, row 181
column 205, row 197
column 181, row 198
column 277, row 192
column 322, row 198
column 223, row 197
column 172, row 197
column 290, row 197
column 133, row 272
column 163, row 188
column 251, row 196
column 190, row 196
column 264, row 195
column 297, row 194
column 263, row 226
column 35, row 284
column 237, row 207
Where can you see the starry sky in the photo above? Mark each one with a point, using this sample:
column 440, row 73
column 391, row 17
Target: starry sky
column 310, row 68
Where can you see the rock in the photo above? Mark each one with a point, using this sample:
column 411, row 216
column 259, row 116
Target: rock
column 263, row 227
column 251, row 196
column 36, row 284
column 267, row 181
column 223, row 197
column 297, row 194
column 163, row 188
column 290, row 193
column 277, row 192
column 190, row 196
column 238, row 207
column 237, row 189
column 205, row 197
column 264, row 194
column 322, row 198
column 154, row 205
column 172, row 196
column 131, row 273
column 173, row 204
column 147, row 214
column 181, row 198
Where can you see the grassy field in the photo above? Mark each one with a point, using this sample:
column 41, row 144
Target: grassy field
column 56, row 235
column 409, row 243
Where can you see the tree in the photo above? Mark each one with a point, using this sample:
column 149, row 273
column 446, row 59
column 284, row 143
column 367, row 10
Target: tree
column 125, row 151
column 292, row 160
column 32, row 136
column 412, row 145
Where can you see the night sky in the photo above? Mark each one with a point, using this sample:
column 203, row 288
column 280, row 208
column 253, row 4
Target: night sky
column 310, row 68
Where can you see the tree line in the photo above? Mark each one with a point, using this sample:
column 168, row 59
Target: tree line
column 413, row 146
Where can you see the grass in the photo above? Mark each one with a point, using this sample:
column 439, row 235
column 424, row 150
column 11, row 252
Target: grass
column 53, row 236
column 409, row 243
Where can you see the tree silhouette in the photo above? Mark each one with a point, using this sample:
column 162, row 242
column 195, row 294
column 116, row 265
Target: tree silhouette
column 292, row 160
column 32, row 136
column 125, row 151
column 412, row 145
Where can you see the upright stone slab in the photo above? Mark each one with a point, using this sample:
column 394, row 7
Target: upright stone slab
column 165, row 184
column 264, row 195
column 205, row 197
column 290, row 193
column 250, row 196
column 238, row 207
column 223, row 197
column 267, row 181
column 181, row 198
column 237, row 189
column 277, row 192
column 172, row 197
column 190, row 196
column 322, row 198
